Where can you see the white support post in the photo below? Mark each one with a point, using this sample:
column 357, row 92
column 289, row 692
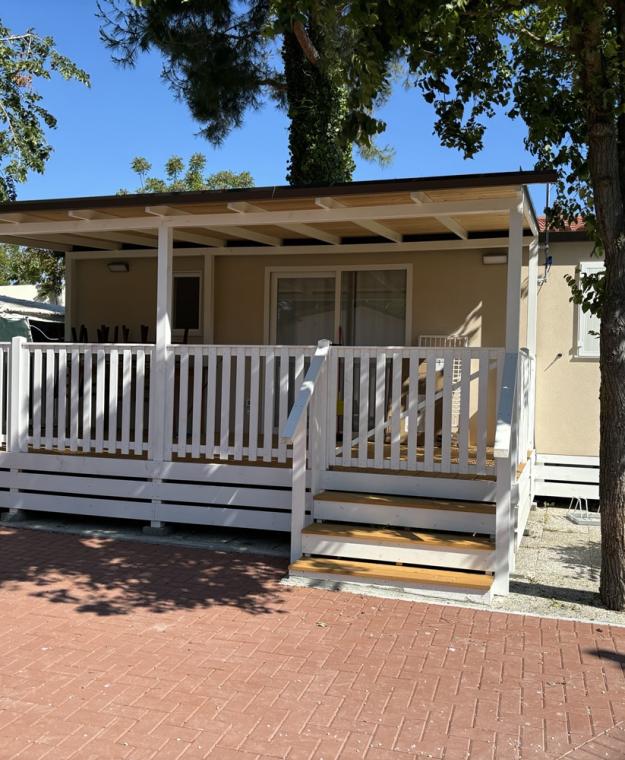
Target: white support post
column 513, row 286
column 18, row 394
column 532, row 319
column 317, row 433
column 503, row 527
column 160, row 394
column 70, row 268
column 298, row 498
column 160, row 405
column 505, row 453
column 208, row 299
column 532, row 296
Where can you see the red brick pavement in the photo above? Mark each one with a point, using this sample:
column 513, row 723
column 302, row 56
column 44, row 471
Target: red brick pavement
column 113, row 649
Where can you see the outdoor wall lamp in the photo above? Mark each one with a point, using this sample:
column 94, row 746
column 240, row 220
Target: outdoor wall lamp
column 495, row 258
column 118, row 266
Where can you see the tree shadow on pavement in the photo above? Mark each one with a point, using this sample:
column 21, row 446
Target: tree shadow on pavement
column 105, row 576
column 607, row 654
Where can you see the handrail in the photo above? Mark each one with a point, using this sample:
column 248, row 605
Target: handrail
column 305, row 393
column 505, row 410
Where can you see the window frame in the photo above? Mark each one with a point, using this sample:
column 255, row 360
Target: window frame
column 177, row 333
column 272, row 274
column 582, row 326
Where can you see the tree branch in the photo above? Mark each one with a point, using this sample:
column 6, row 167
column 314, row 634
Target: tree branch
column 547, row 44
column 309, row 50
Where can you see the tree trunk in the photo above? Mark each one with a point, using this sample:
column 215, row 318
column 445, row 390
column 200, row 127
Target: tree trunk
column 586, row 28
column 603, row 163
column 316, row 106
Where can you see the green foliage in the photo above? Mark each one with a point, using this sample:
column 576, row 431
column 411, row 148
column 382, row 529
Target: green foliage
column 26, row 58
column 225, row 57
column 33, row 266
column 179, row 177
column 588, row 291
column 320, row 152
column 559, row 66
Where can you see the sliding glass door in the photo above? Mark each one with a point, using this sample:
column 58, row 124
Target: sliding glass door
column 352, row 307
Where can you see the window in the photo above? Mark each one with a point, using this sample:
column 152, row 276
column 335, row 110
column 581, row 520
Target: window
column 588, row 324
column 304, row 308
column 353, row 307
column 187, row 302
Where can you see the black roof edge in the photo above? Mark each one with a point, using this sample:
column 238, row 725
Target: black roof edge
column 444, row 182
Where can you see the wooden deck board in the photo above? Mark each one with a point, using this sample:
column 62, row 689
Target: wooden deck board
column 414, row 502
column 419, row 576
column 415, row 538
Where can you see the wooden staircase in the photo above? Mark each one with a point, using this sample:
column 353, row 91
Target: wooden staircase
column 434, row 547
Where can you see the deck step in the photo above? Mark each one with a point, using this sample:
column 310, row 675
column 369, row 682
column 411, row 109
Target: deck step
column 399, row 545
column 437, row 582
column 414, row 547
column 405, row 511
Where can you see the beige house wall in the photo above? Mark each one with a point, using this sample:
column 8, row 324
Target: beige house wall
column 120, row 298
column 452, row 293
column 567, row 388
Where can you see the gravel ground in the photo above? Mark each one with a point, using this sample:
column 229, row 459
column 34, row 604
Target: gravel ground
column 556, row 574
column 557, row 570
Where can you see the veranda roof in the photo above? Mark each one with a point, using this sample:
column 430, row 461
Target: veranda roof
column 467, row 207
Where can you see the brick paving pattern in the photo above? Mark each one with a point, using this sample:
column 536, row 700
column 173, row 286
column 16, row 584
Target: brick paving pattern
column 114, row 649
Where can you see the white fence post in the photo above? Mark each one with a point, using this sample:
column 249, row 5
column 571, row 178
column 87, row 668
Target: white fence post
column 298, row 498
column 506, row 454
column 503, row 526
column 294, row 432
column 317, row 431
column 18, row 396
column 161, row 396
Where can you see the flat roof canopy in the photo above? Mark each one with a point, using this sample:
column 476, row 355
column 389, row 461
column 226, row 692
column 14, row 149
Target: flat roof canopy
column 460, row 207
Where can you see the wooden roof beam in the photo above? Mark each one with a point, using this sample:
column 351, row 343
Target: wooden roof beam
column 122, row 237
column 166, row 211
column 367, row 224
column 355, row 214
column 247, row 234
column 86, row 242
column 307, row 230
column 13, row 218
column 34, row 243
column 447, row 221
column 181, row 234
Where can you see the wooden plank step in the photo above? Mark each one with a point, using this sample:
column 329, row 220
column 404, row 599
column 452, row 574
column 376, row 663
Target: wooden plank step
column 372, row 572
column 410, row 538
column 389, row 500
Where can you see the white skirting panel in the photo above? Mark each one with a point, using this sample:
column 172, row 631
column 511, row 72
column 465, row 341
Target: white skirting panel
column 203, row 494
column 524, row 501
column 566, row 477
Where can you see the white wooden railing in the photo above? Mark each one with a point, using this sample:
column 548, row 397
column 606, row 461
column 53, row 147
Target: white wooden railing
column 384, row 408
column 80, row 397
column 513, row 441
column 307, row 420
column 230, row 402
column 395, row 408
column 5, row 380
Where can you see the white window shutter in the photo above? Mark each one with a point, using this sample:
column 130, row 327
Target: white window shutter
column 588, row 324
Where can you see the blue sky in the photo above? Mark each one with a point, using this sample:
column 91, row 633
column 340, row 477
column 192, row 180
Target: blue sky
column 129, row 112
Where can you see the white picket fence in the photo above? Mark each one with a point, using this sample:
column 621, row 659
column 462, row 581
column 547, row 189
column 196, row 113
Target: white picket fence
column 381, row 408
column 396, row 408
column 230, row 402
column 82, row 398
